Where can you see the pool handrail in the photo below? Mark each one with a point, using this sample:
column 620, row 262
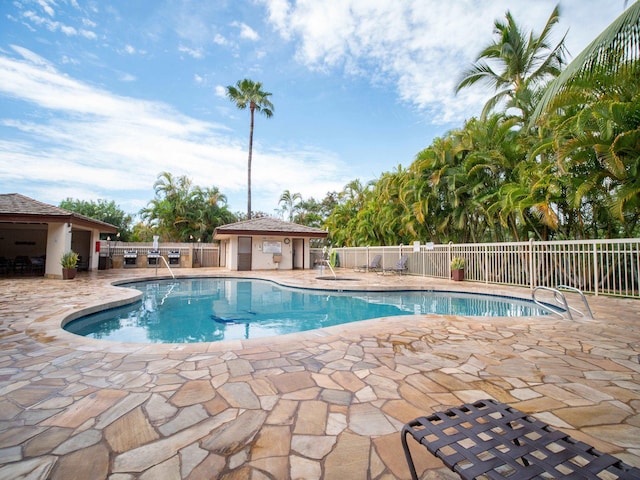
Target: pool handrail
column 167, row 264
column 563, row 304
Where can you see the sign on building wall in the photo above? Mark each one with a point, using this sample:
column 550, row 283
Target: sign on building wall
column 272, row 247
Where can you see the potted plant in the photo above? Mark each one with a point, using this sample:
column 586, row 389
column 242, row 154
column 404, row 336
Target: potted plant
column 457, row 269
column 69, row 262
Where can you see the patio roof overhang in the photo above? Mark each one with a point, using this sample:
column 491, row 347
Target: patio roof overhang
column 268, row 226
column 19, row 209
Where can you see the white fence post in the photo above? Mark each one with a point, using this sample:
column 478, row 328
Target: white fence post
column 532, row 280
column 596, row 270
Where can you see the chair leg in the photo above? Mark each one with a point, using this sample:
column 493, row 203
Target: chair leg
column 407, row 453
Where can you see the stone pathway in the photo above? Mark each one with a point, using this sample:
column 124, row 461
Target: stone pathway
column 325, row 404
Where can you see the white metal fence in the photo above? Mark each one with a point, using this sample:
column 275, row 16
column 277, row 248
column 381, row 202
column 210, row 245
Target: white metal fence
column 608, row 267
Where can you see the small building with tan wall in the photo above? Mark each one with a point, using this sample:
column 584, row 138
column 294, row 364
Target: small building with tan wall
column 266, row 244
column 34, row 236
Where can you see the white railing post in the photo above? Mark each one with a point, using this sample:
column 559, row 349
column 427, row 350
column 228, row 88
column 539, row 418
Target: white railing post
column 596, row 269
column 368, row 261
column 487, row 264
column 532, row 282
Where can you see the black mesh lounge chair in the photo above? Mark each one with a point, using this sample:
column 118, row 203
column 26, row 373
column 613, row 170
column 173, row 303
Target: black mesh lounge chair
column 373, row 266
column 399, row 267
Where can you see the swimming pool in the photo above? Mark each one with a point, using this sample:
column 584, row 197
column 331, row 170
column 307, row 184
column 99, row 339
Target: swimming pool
column 212, row 309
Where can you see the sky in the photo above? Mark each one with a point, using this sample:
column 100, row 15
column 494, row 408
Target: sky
column 99, row 97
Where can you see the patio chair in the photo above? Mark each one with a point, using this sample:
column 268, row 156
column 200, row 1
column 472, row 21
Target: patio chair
column 399, row 267
column 489, row 439
column 22, row 264
column 374, row 265
column 5, row 265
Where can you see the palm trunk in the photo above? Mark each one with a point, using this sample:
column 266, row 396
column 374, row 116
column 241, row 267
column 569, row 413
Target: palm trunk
column 252, row 108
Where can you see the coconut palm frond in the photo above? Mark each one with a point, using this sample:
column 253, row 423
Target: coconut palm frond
column 616, row 49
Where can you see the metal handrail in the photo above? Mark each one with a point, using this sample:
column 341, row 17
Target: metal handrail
column 167, row 264
column 584, row 300
column 561, row 299
column 328, row 263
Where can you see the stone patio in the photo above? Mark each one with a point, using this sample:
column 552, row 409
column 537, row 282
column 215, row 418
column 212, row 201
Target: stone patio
column 324, row 404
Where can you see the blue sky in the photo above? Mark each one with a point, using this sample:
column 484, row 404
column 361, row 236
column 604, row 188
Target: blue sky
column 98, row 97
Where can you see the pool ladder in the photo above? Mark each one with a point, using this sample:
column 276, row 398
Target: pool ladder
column 562, row 306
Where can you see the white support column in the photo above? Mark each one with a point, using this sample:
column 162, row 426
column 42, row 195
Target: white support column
column 58, row 242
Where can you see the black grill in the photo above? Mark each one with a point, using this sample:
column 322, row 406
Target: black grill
column 174, row 257
column 130, row 258
column 153, row 258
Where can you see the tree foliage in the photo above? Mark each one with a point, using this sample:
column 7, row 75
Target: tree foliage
column 182, row 212
column 103, row 210
column 574, row 173
column 516, row 65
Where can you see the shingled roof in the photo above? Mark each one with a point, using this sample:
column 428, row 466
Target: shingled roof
column 16, row 208
column 268, row 226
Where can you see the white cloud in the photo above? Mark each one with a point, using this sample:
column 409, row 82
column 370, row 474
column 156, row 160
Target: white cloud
column 219, row 40
column 54, row 26
column 115, row 146
column 69, row 60
column 45, row 5
column 192, row 52
column 129, row 49
column 88, row 23
column 33, row 58
column 221, row 91
column 69, row 31
column 246, row 31
column 88, row 34
column 420, row 46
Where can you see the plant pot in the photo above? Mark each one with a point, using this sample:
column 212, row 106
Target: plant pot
column 69, row 273
column 457, row 275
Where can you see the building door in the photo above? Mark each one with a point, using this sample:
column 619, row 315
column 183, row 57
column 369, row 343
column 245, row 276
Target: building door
column 298, row 253
column 244, row 253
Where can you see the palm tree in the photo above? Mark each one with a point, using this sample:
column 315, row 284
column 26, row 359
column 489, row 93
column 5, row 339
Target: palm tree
column 525, row 64
column 247, row 93
column 615, row 50
column 289, row 200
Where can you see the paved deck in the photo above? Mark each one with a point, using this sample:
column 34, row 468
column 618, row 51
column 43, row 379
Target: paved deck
column 324, row 404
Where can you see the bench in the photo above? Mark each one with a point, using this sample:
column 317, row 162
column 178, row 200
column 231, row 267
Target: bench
column 488, row 439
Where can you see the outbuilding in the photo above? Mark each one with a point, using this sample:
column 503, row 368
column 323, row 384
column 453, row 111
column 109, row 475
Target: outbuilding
column 34, row 236
column 266, row 244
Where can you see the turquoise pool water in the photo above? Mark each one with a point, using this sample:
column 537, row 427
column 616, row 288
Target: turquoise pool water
column 213, row 309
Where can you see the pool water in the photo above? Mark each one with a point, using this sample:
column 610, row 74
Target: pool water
column 214, row 309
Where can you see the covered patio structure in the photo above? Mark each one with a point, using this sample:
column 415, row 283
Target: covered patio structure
column 34, row 236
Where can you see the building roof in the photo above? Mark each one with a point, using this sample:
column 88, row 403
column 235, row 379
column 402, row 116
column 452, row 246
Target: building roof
column 270, row 226
column 16, row 208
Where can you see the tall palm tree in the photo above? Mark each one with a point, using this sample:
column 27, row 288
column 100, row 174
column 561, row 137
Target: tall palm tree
column 524, row 63
column 247, row 93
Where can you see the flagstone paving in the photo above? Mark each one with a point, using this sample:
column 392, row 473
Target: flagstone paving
column 325, row 404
